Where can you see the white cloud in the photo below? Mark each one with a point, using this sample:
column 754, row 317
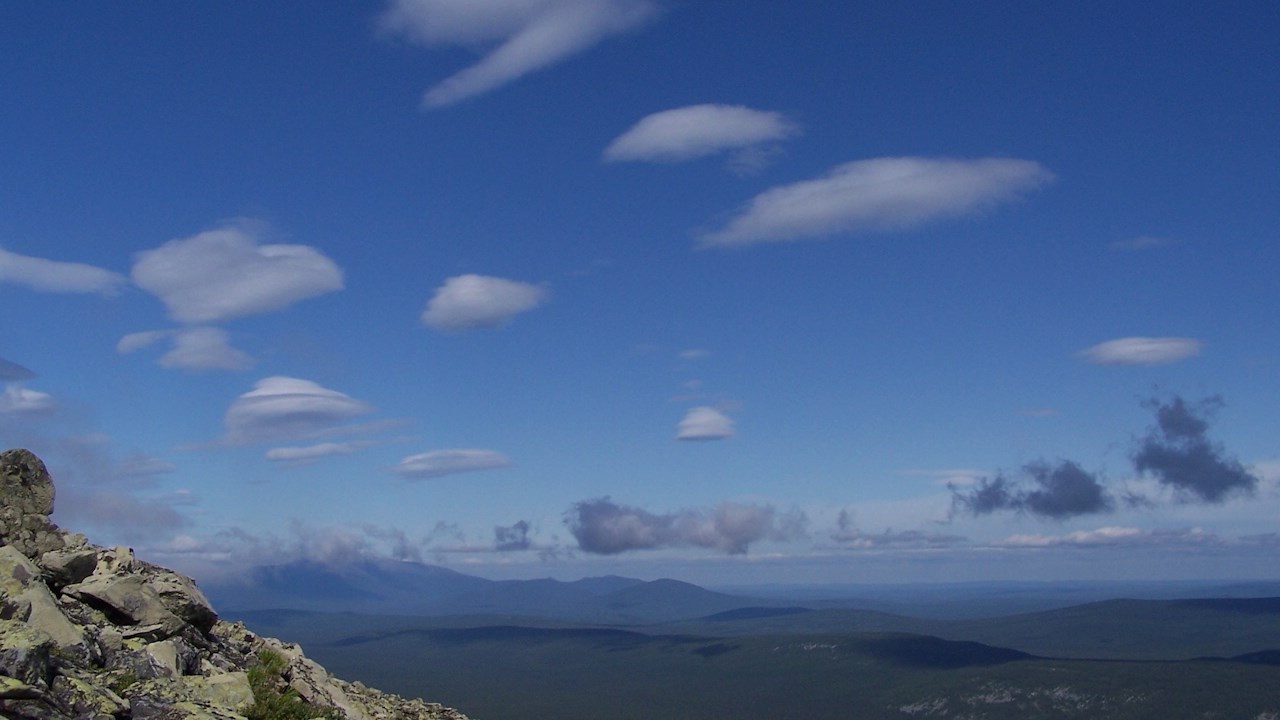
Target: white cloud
column 448, row 462
column 195, row 349
column 879, row 194
column 223, row 274
column 17, row 400
column 1142, row 351
column 525, row 35
column 52, row 276
column 139, row 340
column 694, row 354
column 204, row 348
column 314, row 452
column 696, row 131
column 281, row 408
column 473, row 301
column 704, row 423
column 1112, row 536
column 949, row 477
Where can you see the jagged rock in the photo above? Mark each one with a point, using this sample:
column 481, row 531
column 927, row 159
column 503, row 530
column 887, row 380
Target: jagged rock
column 26, row 654
column 27, row 490
column 67, row 567
column 91, row 633
column 127, row 600
column 180, row 595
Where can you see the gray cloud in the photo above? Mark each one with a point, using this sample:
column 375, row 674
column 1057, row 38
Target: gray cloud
column 1178, row 453
column 439, row 463
column 129, row 517
column 606, row 528
column 13, row 372
column 1061, row 490
column 513, row 537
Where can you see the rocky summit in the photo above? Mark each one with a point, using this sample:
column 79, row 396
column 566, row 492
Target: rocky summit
column 93, row 633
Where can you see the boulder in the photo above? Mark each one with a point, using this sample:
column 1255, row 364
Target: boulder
column 27, row 490
column 127, row 600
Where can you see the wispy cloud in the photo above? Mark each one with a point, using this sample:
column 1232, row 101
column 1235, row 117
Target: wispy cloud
column 17, row 400
column 224, row 274
column 195, row 349
column 603, row 527
column 891, row 193
column 1142, row 351
column 1111, row 536
column 311, row 453
column 524, row 35
column 697, row 131
column 704, row 423
column 439, row 463
column 849, row 536
column 52, row 276
column 285, row 408
column 1178, row 453
column 467, row 302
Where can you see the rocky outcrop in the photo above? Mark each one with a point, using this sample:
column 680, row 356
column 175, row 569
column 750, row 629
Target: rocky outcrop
column 93, row 633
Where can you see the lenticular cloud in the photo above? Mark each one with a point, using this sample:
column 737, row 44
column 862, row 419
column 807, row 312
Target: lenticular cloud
column 280, row 408
column 466, row 302
column 224, row 274
column 892, row 193
column 697, row 131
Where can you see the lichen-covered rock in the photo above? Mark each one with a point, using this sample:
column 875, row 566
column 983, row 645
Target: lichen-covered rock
column 68, row 566
column 27, row 490
column 127, row 600
column 92, row 633
column 26, row 654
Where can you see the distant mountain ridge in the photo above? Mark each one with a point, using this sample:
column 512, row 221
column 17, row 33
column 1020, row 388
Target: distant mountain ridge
column 410, row 588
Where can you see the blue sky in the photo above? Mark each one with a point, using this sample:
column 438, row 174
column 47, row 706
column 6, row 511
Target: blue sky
column 729, row 292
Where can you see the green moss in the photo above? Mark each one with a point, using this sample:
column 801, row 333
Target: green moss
column 123, row 682
column 273, row 699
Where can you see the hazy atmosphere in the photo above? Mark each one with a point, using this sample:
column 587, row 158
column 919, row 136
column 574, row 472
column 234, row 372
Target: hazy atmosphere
column 730, row 292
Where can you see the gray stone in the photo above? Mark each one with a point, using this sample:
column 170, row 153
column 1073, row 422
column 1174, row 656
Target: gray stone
column 25, row 653
column 180, row 595
column 28, row 501
column 127, row 600
column 65, row 567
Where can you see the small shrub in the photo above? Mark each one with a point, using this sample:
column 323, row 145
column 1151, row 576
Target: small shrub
column 273, row 699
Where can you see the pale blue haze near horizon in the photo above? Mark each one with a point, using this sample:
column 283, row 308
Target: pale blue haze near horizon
column 732, row 292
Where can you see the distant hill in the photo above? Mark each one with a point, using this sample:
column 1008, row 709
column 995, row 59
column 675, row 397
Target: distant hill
column 407, row 588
